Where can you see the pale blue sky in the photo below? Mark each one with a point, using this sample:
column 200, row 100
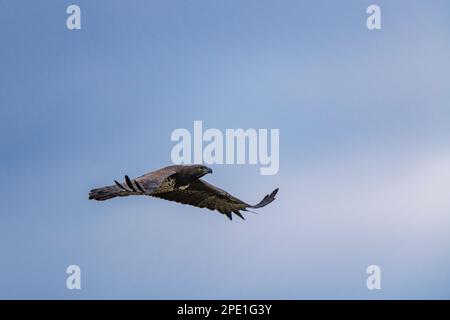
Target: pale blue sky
column 364, row 153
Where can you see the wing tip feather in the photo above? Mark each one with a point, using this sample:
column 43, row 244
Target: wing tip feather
column 268, row 198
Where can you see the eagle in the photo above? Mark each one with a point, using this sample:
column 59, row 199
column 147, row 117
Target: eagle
column 180, row 183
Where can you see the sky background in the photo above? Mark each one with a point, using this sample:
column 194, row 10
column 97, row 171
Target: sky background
column 364, row 119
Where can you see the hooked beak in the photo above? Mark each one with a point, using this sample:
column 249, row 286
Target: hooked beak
column 209, row 170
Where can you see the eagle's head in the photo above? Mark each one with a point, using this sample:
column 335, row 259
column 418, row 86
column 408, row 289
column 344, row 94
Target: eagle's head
column 195, row 171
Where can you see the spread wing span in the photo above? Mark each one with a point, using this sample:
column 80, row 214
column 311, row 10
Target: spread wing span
column 180, row 183
column 204, row 195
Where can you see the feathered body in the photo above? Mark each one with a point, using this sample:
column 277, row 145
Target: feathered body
column 180, row 183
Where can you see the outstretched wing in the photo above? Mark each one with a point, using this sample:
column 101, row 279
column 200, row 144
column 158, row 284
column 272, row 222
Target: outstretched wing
column 204, row 195
column 149, row 182
column 143, row 185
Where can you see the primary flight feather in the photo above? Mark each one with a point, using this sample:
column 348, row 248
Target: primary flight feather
column 180, row 183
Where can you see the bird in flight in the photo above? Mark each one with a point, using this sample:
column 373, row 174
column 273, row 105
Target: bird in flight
column 180, row 183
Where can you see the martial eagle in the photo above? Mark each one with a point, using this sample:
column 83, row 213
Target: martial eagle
column 180, row 183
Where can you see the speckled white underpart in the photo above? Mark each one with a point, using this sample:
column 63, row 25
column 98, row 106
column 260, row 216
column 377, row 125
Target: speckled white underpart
column 167, row 186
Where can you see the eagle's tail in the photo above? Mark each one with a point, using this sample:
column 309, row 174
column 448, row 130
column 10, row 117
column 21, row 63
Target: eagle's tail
column 266, row 200
column 106, row 193
column 118, row 190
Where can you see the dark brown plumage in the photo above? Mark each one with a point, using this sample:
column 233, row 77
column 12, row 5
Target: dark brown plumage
column 180, row 183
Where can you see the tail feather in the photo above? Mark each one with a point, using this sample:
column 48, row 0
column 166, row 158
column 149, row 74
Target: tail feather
column 106, row 193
